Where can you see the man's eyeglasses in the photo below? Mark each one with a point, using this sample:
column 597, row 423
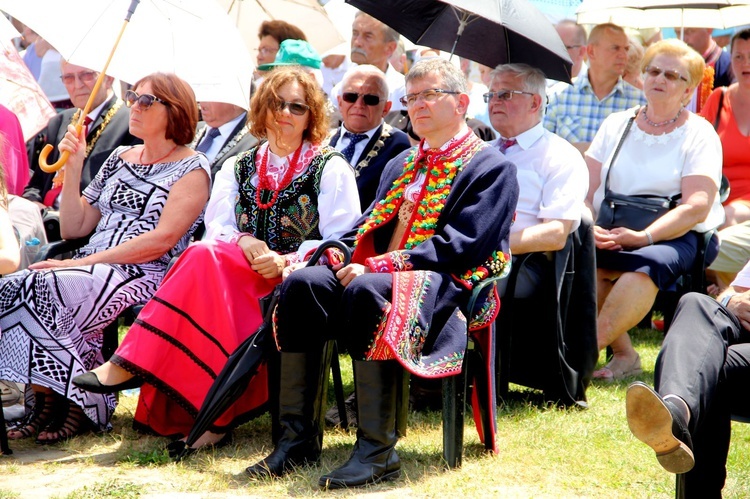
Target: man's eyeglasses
column 295, row 108
column 369, row 99
column 83, row 76
column 571, row 47
column 503, row 95
column 144, row 101
column 669, row 74
column 428, row 95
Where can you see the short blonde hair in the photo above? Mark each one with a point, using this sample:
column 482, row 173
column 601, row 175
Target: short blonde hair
column 681, row 50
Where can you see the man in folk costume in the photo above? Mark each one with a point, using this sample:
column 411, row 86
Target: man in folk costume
column 440, row 226
column 106, row 127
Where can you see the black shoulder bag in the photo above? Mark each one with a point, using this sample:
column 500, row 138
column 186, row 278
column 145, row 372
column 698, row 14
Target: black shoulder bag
column 632, row 212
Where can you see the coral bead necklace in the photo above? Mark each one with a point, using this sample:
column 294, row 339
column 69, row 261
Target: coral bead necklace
column 265, row 184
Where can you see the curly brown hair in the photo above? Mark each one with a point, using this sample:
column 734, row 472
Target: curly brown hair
column 266, row 97
column 182, row 108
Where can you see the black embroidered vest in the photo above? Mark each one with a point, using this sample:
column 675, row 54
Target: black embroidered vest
column 293, row 218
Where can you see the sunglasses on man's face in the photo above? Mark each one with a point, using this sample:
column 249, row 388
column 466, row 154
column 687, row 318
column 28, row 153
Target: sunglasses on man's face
column 144, row 101
column 369, row 99
column 296, row 108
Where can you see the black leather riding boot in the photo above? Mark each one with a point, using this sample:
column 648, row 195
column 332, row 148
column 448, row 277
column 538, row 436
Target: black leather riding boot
column 374, row 458
column 302, row 381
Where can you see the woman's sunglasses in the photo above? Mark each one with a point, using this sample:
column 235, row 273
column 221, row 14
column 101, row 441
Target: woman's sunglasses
column 295, row 108
column 669, row 74
column 144, row 101
column 369, row 99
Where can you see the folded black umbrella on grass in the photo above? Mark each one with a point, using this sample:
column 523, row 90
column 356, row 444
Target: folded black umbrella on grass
column 241, row 366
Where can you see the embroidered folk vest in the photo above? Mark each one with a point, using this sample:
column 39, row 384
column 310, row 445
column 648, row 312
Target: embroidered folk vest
column 293, row 218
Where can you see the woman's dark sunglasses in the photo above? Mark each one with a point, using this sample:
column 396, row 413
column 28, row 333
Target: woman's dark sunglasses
column 295, row 108
column 145, row 101
column 369, row 99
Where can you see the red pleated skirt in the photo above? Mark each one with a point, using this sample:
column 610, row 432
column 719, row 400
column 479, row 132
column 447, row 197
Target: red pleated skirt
column 205, row 307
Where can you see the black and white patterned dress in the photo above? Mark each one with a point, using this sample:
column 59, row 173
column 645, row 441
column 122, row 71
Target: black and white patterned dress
column 51, row 321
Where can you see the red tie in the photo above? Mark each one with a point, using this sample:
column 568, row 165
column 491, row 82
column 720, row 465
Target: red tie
column 505, row 144
column 86, row 122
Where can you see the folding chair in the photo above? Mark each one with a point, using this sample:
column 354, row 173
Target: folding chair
column 478, row 369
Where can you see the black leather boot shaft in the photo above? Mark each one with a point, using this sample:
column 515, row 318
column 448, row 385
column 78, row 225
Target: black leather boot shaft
column 300, row 416
column 374, row 458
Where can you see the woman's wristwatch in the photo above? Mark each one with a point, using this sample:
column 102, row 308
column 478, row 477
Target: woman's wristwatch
column 725, row 299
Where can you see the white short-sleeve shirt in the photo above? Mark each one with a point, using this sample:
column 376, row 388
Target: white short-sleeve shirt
column 655, row 164
column 552, row 178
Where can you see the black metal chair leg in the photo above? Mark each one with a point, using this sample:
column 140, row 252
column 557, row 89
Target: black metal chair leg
column 402, row 414
column 4, row 447
column 338, row 387
column 454, row 408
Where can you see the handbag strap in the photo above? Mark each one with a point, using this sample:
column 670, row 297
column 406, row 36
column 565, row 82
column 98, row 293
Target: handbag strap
column 617, row 149
column 718, row 110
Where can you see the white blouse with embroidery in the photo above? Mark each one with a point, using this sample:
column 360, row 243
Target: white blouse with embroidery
column 338, row 199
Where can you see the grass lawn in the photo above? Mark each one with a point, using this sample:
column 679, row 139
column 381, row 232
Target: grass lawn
column 544, row 452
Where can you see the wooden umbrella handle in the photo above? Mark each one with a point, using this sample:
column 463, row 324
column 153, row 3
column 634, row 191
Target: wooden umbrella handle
column 48, row 148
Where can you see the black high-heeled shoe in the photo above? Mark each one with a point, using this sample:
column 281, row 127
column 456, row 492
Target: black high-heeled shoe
column 90, row 382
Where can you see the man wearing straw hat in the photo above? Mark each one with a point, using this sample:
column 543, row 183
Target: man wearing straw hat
column 107, row 128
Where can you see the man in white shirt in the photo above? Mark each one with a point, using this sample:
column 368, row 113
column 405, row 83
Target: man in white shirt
column 552, row 176
column 365, row 140
column 373, row 43
column 223, row 133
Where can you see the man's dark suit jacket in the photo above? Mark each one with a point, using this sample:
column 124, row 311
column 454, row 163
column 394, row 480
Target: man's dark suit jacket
column 368, row 174
column 240, row 141
column 114, row 135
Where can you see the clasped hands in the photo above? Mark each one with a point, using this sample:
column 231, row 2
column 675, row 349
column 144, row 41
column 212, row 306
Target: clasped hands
column 265, row 262
column 619, row 238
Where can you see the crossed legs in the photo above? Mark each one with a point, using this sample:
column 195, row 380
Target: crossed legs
column 704, row 366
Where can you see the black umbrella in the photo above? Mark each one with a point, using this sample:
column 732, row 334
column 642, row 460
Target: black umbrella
column 490, row 32
column 241, row 366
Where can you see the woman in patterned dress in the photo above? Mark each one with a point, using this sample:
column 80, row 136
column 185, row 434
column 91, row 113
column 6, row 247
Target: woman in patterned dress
column 269, row 207
column 142, row 207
